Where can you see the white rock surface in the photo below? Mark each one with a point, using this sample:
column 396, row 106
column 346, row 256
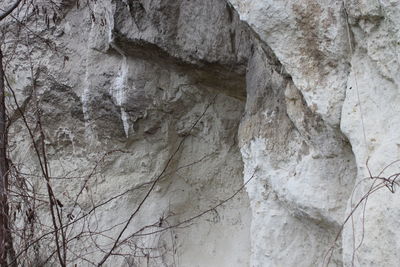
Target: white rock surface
column 316, row 42
column 297, row 97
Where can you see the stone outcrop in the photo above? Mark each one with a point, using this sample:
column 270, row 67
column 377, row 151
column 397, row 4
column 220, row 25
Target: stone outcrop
column 295, row 100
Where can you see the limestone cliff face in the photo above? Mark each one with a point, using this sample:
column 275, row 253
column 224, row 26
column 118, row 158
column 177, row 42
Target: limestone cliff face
column 343, row 60
column 290, row 98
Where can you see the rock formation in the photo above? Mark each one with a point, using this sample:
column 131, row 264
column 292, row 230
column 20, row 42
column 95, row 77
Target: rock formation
column 294, row 100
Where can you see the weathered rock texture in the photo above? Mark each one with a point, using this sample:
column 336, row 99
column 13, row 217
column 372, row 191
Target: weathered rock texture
column 292, row 98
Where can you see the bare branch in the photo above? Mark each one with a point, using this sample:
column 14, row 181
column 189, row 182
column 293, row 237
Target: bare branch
column 104, row 259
